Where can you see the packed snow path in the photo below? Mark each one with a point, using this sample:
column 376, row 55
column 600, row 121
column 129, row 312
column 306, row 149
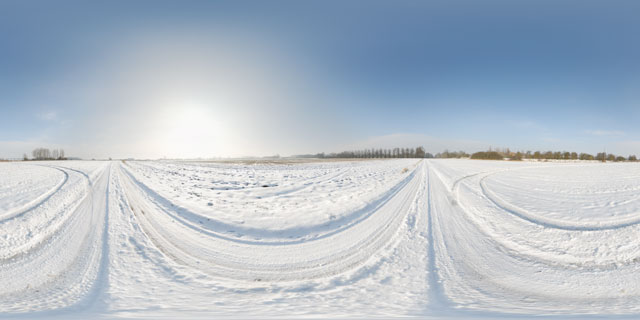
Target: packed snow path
column 405, row 237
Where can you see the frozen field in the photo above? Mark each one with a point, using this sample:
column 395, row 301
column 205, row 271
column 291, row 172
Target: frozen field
column 409, row 237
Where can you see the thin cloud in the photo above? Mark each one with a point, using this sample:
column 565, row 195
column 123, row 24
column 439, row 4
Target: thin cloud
column 47, row 116
column 529, row 125
column 602, row 133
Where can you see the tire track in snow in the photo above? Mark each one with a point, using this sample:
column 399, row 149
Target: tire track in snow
column 555, row 223
column 311, row 259
column 40, row 231
column 448, row 239
column 535, row 255
column 491, row 276
column 57, row 275
column 216, row 228
column 517, row 250
column 437, row 299
column 536, row 219
column 96, row 298
column 31, row 205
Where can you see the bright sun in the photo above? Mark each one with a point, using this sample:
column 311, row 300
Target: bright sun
column 192, row 130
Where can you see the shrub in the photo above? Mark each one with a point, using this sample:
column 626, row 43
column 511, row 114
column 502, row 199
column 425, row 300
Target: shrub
column 516, row 157
column 489, row 155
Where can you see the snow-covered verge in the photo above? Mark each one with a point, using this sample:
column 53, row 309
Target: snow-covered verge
column 440, row 238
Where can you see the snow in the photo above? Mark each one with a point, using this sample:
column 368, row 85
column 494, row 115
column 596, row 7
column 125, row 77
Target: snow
column 24, row 185
column 266, row 201
column 444, row 238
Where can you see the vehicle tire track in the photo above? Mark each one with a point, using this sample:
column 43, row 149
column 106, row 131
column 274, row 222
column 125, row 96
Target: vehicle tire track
column 315, row 258
column 62, row 268
column 555, row 223
column 17, row 213
column 216, row 228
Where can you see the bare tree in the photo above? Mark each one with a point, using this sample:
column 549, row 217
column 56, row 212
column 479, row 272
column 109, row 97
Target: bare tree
column 46, row 154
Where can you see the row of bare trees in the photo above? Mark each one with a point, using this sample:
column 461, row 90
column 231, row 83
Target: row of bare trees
column 378, row 153
column 496, row 154
column 418, row 152
column 492, row 154
column 566, row 155
column 46, row 154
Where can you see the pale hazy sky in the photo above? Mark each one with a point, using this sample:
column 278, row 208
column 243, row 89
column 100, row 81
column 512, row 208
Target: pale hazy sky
column 208, row 78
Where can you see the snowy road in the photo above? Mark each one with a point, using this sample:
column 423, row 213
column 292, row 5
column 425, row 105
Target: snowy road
column 454, row 238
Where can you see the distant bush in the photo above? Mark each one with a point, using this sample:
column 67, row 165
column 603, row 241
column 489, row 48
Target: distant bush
column 489, row 155
column 455, row 154
column 586, row 156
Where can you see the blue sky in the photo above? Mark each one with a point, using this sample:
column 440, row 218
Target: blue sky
column 190, row 78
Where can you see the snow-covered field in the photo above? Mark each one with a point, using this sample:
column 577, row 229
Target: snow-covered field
column 407, row 237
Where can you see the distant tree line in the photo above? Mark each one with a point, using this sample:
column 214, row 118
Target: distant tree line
column 548, row 155
column 46, row 154
column 418, row 152
column 491, row 154
column 374, row 153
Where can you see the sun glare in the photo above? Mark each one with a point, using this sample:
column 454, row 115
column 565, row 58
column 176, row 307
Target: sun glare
column 191, row 130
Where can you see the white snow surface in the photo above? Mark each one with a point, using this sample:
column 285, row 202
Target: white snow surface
column 379, row 238
column 24, row 185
